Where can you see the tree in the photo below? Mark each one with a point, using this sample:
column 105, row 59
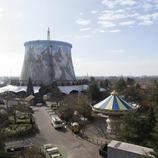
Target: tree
column 120, row 85
column 105, row 84
column 72, row 103
column 133, row 94
column 56, row 95
column 4, row 154
column 3, row 118
column 130, row 81
column 94, row 91
column 92, row 79
column 12, row 112
column 29, row 90
column 137, row 127
column 84, row 106
column 69, row 105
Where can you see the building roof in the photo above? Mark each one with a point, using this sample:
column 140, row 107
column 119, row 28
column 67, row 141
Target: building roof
column 18, row 144
column 69, row 89
column 129, row 147
column 16, row 89
column 63, row 89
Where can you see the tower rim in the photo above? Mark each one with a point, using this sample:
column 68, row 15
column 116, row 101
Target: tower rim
column 46, row 41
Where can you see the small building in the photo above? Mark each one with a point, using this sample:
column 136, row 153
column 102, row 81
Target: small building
column 18, row 145
column 117, row 149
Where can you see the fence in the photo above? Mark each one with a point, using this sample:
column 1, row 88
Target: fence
column 96, row 141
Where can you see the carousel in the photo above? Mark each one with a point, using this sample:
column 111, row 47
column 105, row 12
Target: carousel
column 113, row 107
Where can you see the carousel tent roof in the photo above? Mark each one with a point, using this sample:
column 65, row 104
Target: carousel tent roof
column 113, row 102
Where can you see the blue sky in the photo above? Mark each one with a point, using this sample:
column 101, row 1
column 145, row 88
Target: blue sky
column 109, row 37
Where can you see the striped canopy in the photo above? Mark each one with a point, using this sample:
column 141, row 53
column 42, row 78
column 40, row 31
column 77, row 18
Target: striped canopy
column 113, row 102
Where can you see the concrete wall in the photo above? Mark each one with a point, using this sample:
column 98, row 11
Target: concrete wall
column 116, row 153
column 46, row 61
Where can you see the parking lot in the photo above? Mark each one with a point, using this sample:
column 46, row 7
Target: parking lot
column 71, row 145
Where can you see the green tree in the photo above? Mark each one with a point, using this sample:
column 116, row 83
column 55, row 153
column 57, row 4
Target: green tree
column 29, row 90
column 138, row 127
column 120, row 85
column 133, row 94
column 72, row 103
column 154, row 100
column 3, row 154
column 105, row 84
column 92, row 79
column 130, row 81
column 83, row 106
column 94, row 91
column 69, row 105
column 56, row 94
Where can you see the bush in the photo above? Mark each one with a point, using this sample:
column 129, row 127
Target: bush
column 19, row 130
column 4, row 155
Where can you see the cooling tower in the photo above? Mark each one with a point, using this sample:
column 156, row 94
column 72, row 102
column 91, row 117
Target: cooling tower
column 47, row 61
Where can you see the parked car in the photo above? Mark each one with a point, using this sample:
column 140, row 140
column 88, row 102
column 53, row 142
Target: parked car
column 47, row 146
column 57, row 122
column 52, row 113
column 51, row 152
column 39, row 104
column 54, row 152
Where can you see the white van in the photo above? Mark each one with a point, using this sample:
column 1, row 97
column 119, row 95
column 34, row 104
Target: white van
column 47, row 146
column 53, row 152
column 56, row 121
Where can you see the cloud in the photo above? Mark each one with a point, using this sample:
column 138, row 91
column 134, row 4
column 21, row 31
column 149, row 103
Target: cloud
column 148, row 19
column 107, row 23
column 94, row 11
column 82, row 21
column 102, row 31
column 147, row 6
column 85, row 29
column 110, row 15
column 115, row 31
column 127, row 23
column 122, row 13
column 113, row 3
column 155, row 16
column 146, row 22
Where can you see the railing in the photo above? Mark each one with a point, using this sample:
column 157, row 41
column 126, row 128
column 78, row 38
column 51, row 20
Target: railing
column 96, row 141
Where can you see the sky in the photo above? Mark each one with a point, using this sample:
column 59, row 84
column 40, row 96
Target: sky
column 109, row 37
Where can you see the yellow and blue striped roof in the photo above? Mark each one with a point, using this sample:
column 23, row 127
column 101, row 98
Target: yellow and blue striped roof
column 113, row 102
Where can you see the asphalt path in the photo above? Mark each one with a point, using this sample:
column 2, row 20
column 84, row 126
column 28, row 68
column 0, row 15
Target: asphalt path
column 73, row 146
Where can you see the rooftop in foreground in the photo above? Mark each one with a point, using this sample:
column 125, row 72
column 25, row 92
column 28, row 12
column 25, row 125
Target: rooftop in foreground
column 129, row 147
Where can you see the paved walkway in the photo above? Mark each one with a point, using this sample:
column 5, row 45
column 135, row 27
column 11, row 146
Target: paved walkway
column 72, row 145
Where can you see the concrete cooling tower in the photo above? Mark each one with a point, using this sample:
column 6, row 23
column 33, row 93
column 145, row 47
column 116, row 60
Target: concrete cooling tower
column 47, row 61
